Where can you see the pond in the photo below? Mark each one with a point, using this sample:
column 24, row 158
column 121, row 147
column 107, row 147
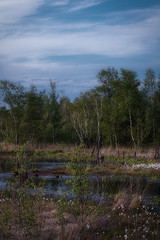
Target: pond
column 101, row 187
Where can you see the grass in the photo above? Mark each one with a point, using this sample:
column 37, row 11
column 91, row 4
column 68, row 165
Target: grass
column 118, row 169
column 107, row 151
column 117, row 220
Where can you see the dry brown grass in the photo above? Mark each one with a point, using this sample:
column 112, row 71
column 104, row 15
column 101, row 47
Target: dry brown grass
column 120, row 199
column 7, row 147
column 128, row 152
column 51, row 230
column 109, row 225
column 141, row 152
column 53, row 147
column 136, row 201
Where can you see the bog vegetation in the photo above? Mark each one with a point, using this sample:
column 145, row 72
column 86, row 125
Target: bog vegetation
column 26, row 213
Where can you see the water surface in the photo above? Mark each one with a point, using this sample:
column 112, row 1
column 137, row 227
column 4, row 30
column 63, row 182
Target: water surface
column 100, row 186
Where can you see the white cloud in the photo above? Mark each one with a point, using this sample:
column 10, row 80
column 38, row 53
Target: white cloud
column 47, row 38
column 12, row 11
column 71, row 78
column 60, row 3
column 108, row 40
column 84, row 4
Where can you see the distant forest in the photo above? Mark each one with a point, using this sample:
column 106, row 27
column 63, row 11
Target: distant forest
column 121, row 110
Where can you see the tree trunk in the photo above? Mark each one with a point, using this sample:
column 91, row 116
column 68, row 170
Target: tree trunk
column 17, row 139
column 131, row 128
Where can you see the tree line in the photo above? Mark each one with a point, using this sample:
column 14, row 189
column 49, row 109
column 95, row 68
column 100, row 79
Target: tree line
column 120, row 110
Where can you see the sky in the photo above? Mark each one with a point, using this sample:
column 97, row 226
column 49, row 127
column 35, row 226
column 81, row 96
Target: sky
column 70, row 41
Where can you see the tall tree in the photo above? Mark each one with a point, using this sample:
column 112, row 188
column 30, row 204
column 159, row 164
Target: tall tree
column 53, row 116
column 130, row 97
column 150, row 83
column 96, row 100
column 66, row 132
column 82, row 118
column 14, row 98
column 108, row 80
column 33, row 115
column 150, row 91
column 4, row 124
column 120, row 102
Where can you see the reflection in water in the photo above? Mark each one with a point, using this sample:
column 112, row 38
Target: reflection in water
column 110, row 185
column 47, row 165
column 4, row 177
column 6, row 166
column 100, row 186
column 103, row 186
column 54, row 185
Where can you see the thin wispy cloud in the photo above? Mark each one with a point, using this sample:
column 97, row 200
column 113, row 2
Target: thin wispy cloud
column 109, row 40
column 60, row 3
column 12, row 11
column 135, row 15
column 84, row 4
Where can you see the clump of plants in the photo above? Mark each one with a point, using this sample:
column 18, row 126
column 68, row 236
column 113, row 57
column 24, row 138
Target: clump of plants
column 79, row 205
column 62, row 204
column 135, row 223
column 79, row 183
column 21, row 200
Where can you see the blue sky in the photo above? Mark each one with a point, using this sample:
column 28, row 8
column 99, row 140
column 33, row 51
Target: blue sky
column 70, row 41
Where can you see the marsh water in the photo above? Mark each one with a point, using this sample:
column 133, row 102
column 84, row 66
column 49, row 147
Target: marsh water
column 101, row 187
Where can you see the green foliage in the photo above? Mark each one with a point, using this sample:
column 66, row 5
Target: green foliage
column 6, row 215
column 62, row 204
column 121, row 110
column 32, row 124
column 22, row 201
column 14, row 98
column 79, row 206
column 52, row 117
column 79, row 171
column 5, row 126
column 79, row 183
column 82, row 116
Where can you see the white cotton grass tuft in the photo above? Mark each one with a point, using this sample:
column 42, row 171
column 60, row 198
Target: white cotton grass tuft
column 155, row 166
